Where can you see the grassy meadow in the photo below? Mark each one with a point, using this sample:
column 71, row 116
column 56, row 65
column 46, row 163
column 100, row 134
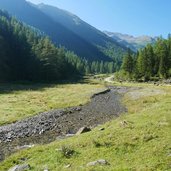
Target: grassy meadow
column 20, row 101
column 137, row 141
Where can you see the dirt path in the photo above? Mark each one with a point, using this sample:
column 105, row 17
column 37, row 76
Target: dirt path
column 47, row 126
column 109, row 79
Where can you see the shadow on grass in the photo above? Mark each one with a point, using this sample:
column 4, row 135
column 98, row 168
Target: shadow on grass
column 9, row 87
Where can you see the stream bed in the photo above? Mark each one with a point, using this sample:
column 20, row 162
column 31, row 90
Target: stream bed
column 49, row 126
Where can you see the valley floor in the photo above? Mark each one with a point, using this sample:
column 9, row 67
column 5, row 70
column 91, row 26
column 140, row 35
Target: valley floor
column 139, row 140
column 46, row 127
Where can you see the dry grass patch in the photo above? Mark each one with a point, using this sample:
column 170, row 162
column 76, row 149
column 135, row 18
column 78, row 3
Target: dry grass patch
column 21, row 101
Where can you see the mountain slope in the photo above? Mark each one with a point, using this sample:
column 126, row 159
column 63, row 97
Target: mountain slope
column 134, row 43
column 27, row 13
column 75, row 24
column 84, row 30
column 25, row 55
column 62, row 35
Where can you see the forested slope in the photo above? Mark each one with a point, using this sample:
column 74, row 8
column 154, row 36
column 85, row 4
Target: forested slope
column 27, row 55
column 58, row 33
column 150, row 63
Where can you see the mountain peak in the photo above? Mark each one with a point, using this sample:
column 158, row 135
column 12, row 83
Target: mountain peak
column 130, row 41
column 60, row 12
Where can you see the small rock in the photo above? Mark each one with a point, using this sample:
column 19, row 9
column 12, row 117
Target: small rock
column 78, row 109
column 15, row 168
column 98, row 162
column 123, row 123
column 135, row 138
column 169, row 155
column 20, row 167
column 147, row 138
column 101, row 129
column 8, row 140
column 24, row 147
column 9, row 135
column 41, row 132
column 67, row 166
column 58, row 149
column 70, row 135
column 83, row 130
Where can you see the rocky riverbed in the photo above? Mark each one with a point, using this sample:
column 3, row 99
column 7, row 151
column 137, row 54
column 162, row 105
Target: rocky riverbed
column 48, row 126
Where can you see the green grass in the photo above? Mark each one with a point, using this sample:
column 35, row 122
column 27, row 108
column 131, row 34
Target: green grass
column 21, row 101
column 137, row 141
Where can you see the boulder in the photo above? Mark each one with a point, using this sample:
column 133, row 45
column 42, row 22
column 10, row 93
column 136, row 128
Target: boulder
column 24, row 147
column 101, row 129
column 70, row 135
column 20, row 167
column 83, row 130
column 98, row 162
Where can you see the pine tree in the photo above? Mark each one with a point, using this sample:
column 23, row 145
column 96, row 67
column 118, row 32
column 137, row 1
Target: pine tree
column 110, row 67
column 102, row 70
column 149, row 62
column 162, row 54
column 128, row 63
column 169, row 55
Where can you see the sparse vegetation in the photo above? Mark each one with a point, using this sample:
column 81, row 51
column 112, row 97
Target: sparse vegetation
column 67, row 151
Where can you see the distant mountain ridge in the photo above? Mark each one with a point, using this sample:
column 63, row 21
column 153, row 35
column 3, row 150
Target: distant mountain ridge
column 84, row 30
column 60, row 35
column 66, row 29
column 134, row 43
column 74, row 23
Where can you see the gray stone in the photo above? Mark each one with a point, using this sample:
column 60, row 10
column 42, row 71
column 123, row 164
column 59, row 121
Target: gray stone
column 83, row 130
column 78, row 109
column 123, row 123
column 67, row 166
column 24, row 147
column 98, row 162
column 70, row 135
column 101, row 129
column 14, row 168
column 20, row 167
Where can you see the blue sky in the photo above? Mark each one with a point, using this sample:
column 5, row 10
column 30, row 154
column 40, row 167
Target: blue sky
column 135, row 17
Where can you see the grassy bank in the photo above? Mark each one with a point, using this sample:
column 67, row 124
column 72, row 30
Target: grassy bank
column 137, row 141
column 21, row 101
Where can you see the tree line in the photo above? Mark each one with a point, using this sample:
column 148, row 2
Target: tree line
column 149, row 63
column 91, row 67
column 28, row 54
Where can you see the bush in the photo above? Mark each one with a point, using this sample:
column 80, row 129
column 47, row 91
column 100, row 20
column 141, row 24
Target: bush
column 67, row 151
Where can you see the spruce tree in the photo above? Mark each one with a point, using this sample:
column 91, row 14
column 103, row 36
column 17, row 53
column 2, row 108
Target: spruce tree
column 128, row 63
column 162, row 53
column 149, row 61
